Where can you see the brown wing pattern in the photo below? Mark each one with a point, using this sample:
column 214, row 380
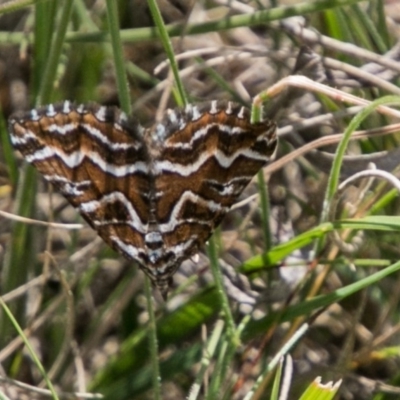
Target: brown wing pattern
column 154, row 195
column 98, row 160
column 209, row 153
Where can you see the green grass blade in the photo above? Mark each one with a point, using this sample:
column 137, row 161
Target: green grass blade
column 49, row 73
column 119, row 62
column 29, row 347
column 181, row 97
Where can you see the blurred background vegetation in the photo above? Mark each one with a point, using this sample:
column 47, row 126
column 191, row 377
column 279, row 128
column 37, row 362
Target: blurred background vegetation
column 83, row 307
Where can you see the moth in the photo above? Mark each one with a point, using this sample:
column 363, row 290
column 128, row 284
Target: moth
column 155, row 195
